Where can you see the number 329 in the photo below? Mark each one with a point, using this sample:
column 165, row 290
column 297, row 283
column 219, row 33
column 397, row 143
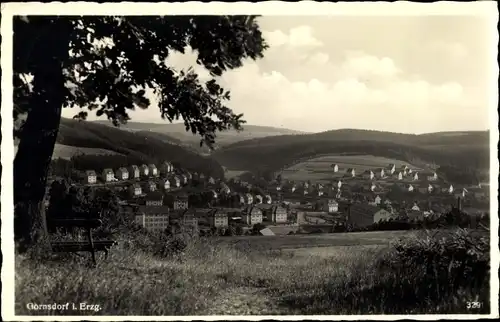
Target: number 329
column 474, row 305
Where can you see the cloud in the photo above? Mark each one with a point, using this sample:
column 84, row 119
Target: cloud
column 297, row 37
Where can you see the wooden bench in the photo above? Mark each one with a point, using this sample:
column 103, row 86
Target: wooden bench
column 80, row 246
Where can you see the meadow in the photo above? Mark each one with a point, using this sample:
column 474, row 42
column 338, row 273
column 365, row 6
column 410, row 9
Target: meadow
column 215, row 276
column 67, row 152
column 319, row 169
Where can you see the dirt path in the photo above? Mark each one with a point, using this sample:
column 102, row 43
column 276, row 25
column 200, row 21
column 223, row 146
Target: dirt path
column 244, row 301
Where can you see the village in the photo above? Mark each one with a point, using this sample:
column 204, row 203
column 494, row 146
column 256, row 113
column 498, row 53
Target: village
column 172, row 199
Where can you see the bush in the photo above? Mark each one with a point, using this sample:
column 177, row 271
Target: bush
column 439, row 272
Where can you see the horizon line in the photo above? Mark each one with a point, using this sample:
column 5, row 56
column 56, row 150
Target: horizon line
column 304, row 132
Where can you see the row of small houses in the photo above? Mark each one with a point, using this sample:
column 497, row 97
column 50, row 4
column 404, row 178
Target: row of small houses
column 132, row 172
column 391, row 170
column 162, row 217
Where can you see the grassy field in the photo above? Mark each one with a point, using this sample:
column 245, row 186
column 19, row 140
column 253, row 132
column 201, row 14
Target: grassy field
column 355, row 274
column 318, row 169
column 67, row 151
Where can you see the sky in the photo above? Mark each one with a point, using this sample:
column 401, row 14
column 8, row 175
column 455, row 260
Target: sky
column 407, row 74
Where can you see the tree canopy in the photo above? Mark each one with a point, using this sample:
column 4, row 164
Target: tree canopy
column 107, row 64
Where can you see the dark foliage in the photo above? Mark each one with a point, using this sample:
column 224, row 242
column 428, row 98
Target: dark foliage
column 69, row 70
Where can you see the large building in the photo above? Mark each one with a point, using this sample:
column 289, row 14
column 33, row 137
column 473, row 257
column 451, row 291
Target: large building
column 362, row 215
column 154, row 199
column 153, row 218
column 218, row 218
column 252, row 215
column 181, row 202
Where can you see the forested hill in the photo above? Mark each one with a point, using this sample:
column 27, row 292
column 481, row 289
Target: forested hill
column 132, row 147
column 464, row 150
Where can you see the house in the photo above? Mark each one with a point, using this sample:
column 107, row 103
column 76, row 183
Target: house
column 189, row 218
column 409, row 171
column 153, row 218
column 151, row 186
column 430, row 188
column 90, row 177
column 108, row 175
column 181, row 202
column 211, row 180
column 242, row 199
column 252, row 215
column 201, row 177
column 224, row 188
column 258, row 199
column 375, row 201
column 414, row 176
column 135, row 190
column 335, row 168
column 320, row 193
column 351, row 172
column 432, row 177
column 144, row 170
column 380, row 173
column 293, row 188
column 268, row 200
column 175, row 182
column 279, row 215
column 188, row 175
column 134, row 172
column 400, row 175
column 166, row 167
column 184, row 179
column 339, row 184
column 368, row 174
column 373, row 187
column 166, row 184
column 450, row 189
column 248, row 198
column 415, row 207
column 362, row 215
column 332, row 205
column 122, row 173
column 391, row 168
column 154, row 199
column 462, row 193
column 153, row 171
column 410, row 188
column 415, row 214
column 218, row 218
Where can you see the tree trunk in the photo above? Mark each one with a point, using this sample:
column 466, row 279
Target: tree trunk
column 40, row 130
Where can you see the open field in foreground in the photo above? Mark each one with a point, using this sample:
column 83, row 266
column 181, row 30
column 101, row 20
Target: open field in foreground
column 317, row 169
column 214, row 277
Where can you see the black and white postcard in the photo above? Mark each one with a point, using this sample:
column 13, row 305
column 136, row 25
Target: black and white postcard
column 272, row 160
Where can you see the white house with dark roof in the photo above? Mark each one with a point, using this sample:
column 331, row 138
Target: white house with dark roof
column 368, row 174
column 153, row 171
column 351, row 172
column 410, row 188
column 165, row 184
column 144, row 170
column 90, row 177
column 414, row 176
column 400, row 175
column 134, row 172
column 166, row 167
column 175, row 182
column 151, row 186
column 135, row 190
column 108, row 175
column 122, row 173
column 335, row 167
column 391, row 168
